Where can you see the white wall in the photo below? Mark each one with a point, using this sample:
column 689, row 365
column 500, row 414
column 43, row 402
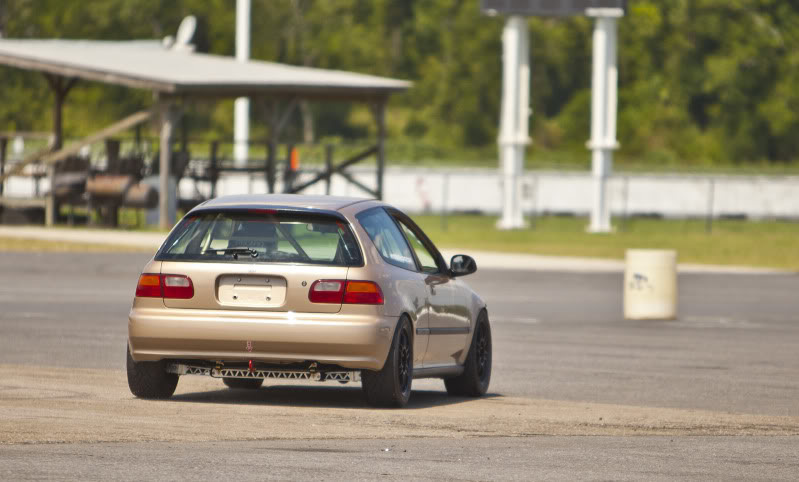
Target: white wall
column 673, row 195
column 422, row 189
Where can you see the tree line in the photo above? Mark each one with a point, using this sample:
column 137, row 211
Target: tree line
column 700, row 81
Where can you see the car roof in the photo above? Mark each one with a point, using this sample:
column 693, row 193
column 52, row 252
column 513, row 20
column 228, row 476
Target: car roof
column 304, row 202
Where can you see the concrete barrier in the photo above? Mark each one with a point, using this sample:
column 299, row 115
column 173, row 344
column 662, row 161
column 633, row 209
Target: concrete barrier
column 650, row 284
column 419, row 189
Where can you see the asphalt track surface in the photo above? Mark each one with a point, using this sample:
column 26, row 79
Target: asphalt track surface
column 577, row 392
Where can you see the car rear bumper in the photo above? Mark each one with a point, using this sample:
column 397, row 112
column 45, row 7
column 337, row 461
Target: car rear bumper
column 354, row 341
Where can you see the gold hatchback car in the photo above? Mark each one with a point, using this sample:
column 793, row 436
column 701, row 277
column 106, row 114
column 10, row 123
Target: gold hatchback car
column 306, row 287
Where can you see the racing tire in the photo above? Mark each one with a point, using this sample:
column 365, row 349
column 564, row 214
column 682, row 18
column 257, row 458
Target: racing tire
column 391, row 386
column 150, row 380
column 476, row 376
column 243, row 383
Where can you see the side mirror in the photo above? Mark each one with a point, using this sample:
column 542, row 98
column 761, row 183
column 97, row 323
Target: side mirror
column 461, row 265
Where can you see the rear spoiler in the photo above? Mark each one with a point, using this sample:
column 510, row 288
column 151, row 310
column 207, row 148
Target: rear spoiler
column 271, row 209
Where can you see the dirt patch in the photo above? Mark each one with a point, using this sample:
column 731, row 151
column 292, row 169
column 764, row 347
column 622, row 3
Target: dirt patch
column 58, row 405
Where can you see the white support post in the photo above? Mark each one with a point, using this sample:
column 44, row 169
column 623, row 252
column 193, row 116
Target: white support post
column 166, row 217
column 604, row 103
column 241, row 110
column 513, row 127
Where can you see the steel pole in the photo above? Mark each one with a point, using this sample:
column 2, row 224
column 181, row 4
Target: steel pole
column 513, row 135
column 380, row 113
column 165, row 221
column 241, row 109
column 604, row 93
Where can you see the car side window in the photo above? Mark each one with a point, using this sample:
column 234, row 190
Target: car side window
column 387, row 238
column 424, row 256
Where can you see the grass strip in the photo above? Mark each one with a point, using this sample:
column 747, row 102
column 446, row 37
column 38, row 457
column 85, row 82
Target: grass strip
column 772, row 244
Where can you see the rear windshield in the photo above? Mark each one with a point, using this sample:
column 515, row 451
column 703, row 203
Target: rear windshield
column 262, row 237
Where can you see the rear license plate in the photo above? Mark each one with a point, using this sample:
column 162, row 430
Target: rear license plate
column 251, row 290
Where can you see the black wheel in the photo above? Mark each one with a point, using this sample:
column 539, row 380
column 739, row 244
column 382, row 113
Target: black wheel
column 391, row 386
column 476, row 376
column 150, row 379
column 244, row 383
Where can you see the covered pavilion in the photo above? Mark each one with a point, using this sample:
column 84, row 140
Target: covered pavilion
column 177, row 75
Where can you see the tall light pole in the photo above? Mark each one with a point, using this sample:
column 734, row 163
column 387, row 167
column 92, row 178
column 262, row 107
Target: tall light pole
column 604, row 104
column 241, row 112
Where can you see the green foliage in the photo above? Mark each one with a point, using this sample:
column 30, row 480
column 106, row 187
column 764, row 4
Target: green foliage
column 702, row 82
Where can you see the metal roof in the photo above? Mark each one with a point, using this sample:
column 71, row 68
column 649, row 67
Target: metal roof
column 149, row 65
column 545, row 8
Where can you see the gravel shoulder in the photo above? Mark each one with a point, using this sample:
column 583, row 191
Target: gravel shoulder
column 475, row 459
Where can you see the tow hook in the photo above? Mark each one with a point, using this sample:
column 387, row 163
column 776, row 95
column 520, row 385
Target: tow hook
column 313, row 373
column 251, row 367
column 218, row 368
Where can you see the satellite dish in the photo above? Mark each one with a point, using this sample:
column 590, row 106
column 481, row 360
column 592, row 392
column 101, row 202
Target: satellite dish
column 186, row 32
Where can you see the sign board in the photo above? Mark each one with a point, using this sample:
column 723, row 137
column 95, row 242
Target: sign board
column 547, row 8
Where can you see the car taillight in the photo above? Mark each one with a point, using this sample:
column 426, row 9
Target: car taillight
column 149, row 286
column 363, row 293
column 326, row 291
column 347, row 292
column 176, row 286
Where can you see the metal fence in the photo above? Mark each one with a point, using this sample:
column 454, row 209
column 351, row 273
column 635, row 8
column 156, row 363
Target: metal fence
column 435, row 190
